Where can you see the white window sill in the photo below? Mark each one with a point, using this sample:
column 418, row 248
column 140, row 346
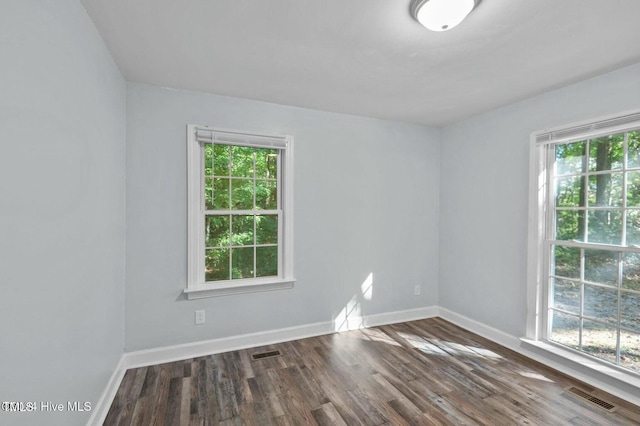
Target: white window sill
column 238, row 287
column 602, row 367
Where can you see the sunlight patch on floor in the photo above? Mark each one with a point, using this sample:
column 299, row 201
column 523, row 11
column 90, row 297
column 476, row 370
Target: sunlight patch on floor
column 379, row 336
column 486, row 353
column 441, row 347
column 422, row 344
column 536, row 376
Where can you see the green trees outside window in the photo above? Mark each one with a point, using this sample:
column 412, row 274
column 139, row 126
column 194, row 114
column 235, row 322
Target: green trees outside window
column 595, row 269
column 241, row 212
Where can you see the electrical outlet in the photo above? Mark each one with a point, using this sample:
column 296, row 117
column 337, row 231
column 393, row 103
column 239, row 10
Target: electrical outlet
column 199, row 317
column 416, row 290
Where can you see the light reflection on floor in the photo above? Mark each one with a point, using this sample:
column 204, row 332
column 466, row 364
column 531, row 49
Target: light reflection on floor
column 533, row 375
column 442, row 347
column 434, row 347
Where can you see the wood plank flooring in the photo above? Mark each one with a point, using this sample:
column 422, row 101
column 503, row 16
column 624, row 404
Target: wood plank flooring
column 426, row 372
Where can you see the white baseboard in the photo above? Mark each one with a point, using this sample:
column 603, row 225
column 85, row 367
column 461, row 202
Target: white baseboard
column 400, row 316
column 233, row 343
column 480, row 329
column 165, row 354
column 101, row 408
column 568, row 367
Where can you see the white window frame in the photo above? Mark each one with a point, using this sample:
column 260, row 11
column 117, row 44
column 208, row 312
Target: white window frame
column 197, row 288
column 541, row 193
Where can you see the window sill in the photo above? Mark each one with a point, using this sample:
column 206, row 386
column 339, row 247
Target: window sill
column 238, row 287
column 587, row 361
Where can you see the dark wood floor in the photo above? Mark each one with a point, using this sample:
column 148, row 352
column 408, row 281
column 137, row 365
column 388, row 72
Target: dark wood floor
column 426, row 372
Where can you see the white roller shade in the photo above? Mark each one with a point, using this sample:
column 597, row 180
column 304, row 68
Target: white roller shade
column 589, row 130
column 205, row 135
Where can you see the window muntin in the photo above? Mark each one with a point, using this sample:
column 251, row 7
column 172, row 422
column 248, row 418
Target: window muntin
column 592, row 228
column 240, row 212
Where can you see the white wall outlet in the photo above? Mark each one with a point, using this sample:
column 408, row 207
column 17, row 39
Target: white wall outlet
column 199, row 317
column 416, row 290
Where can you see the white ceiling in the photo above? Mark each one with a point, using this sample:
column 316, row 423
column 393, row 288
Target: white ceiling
column 368, row 57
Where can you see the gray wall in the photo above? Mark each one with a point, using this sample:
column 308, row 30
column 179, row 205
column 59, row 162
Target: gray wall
column 62, row 165
column 366, row 201
column 484, row 195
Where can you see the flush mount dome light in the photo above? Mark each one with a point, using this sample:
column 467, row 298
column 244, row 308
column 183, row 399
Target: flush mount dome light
column 441, row 15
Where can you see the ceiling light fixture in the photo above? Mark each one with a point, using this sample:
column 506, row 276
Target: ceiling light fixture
column 441, row 15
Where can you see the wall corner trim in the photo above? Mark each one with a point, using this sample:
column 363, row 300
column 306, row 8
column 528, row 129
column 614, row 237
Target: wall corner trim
column 101, row 407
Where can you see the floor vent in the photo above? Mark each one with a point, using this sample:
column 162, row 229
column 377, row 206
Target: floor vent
column 594, row 400
column 263, row 355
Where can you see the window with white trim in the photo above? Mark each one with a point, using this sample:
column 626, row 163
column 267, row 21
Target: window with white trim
column 585, row 257
column 240, row 208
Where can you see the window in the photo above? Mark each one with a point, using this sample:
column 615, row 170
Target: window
column 585, row 257
column 240, row 212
